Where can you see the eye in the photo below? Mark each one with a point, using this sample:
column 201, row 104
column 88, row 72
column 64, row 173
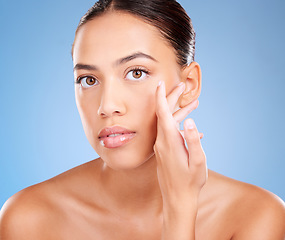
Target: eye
column 87, row 81
column 137, row 74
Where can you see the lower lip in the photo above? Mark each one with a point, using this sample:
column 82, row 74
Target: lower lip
column 118, row 141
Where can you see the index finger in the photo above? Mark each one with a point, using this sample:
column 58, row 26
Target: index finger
column 173, row 96
column 162, row 109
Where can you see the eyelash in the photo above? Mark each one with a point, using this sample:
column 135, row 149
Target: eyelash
column 138, row 69
column 78, row 80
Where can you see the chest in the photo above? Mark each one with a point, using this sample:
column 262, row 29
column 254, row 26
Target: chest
column 212, row 223
column 97, row 225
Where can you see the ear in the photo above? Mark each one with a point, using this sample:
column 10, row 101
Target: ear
column 192, row 77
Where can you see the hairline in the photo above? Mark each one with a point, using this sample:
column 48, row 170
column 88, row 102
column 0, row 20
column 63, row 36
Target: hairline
column 111, row 9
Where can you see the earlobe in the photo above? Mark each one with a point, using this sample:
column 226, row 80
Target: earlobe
column 192, row 77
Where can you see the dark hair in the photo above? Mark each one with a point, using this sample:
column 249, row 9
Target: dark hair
column 168, row 16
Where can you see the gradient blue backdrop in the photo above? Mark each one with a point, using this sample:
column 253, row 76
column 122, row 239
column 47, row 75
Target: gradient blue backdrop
column 240, row 47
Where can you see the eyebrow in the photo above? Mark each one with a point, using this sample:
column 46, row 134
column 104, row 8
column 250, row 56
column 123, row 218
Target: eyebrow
column 117, row 62
column 133, row 56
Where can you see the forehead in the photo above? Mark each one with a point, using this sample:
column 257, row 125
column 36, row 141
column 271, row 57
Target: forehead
column 116, row 34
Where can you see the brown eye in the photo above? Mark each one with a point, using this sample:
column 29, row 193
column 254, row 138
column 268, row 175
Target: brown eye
column 90, row 80
column 137, row 73
column 87, row 81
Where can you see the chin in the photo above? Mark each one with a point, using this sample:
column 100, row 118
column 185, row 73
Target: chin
column 129, row 156
column 125, row 160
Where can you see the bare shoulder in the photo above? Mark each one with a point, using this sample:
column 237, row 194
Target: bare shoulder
column 255, row 212
column 25, row 214
column 33, row 212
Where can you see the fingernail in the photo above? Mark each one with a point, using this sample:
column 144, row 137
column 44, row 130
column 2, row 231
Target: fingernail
column 159, row 83
column 162, row 85
column 189, row 124
column 196, row 102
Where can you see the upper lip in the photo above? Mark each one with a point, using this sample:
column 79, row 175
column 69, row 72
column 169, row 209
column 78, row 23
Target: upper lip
column 113, row 130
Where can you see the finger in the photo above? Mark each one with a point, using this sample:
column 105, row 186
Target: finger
column 201, row 135
column 182, row 113
column 162, row 110
column 192, row 137
column 174, row 95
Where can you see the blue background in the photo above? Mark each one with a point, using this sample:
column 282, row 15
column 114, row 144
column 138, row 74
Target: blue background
column 240, row 47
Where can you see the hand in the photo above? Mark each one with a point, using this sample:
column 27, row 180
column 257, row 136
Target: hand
column 181, row 172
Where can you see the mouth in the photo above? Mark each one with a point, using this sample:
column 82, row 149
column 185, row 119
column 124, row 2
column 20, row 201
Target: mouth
column 113, row 137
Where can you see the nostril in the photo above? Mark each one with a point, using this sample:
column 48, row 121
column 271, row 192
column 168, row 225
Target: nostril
column 106, row 114
column 116, row 112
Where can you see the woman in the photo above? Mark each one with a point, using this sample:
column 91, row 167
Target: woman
column 135, row 81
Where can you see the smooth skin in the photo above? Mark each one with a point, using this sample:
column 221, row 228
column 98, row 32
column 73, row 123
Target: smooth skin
column 153, row 187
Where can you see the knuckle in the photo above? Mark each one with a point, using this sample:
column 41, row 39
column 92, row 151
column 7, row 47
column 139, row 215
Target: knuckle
column 193, row 138
column 158, row 146
column 189, row 110
column 160, row 112
column 199, row 161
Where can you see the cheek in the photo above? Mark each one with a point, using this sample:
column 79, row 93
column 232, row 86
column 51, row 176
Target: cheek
column 143, row 109
column 170, row 76
column 87, row 106
column 142, row 99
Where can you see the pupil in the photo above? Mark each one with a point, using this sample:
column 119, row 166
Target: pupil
column 90, row 81
column 137, row 74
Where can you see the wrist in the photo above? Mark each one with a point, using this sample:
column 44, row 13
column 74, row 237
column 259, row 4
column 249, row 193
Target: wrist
column 180, row 205
column 179, row 223
column 180, row 211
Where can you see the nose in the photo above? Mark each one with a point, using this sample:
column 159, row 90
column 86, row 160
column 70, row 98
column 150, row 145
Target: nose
column 112, row 101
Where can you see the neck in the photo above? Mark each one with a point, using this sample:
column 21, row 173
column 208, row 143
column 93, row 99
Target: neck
column 133, row 191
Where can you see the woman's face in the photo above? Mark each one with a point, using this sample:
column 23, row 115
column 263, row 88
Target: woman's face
column 120, row 59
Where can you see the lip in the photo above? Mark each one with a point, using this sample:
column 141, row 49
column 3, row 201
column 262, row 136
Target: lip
column 120, row 136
